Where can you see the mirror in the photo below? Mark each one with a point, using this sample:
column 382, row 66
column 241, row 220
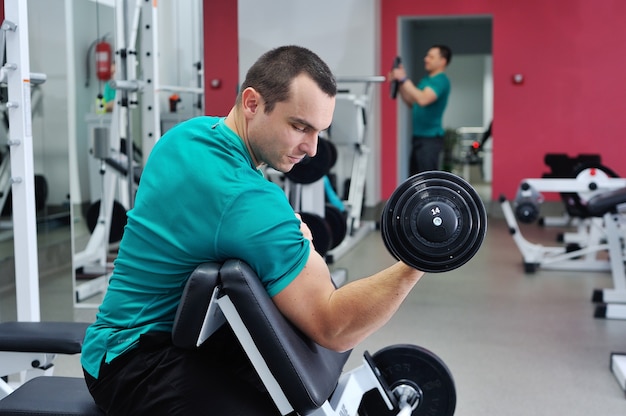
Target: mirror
column 91, row 28
column 50, row 163
column 100, row 169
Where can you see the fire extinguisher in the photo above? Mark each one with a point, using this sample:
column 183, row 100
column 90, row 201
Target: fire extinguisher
column 103, row 61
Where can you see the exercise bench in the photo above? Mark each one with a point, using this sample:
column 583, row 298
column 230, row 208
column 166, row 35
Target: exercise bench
column 299, row 375
column 29, row 348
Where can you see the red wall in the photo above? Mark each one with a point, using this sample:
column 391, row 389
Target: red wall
column 572, row 54
column 221, row 55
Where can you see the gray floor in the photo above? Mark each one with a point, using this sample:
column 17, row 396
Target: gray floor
column 516, row 344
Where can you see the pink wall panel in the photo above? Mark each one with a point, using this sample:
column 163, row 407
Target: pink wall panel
column 221, row 55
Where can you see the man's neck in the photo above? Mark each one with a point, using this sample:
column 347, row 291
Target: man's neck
column 237, row 123
column 435, row 72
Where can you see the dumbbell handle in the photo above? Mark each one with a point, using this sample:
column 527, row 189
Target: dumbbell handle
column 405, row 411
column 395, row 84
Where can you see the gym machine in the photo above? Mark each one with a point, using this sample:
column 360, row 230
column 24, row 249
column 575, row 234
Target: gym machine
column 606, row 209
column 93, row 258
column 434, row 221
column 337, row 227
column 307, row 188
column 612, row 302
column 563, row 166
column 349, row 133
column 589, row 240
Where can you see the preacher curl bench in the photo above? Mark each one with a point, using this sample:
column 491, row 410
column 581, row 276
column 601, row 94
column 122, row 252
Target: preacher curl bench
column 300, row 375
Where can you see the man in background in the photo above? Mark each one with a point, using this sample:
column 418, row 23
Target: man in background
column 428, row 100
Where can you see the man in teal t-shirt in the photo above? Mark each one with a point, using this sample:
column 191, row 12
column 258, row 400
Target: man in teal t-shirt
column 203, row 198
column 108, row 94
column 428, row 100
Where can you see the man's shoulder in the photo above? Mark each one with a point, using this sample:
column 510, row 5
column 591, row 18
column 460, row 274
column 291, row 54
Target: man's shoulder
column 440, row 82
column 441, row 77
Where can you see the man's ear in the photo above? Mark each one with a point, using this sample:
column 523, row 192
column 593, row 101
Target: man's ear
column 250, row 100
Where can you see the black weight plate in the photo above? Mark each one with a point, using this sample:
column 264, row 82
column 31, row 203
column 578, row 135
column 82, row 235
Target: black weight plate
column 527, row 212
column 418, row 368
column 312, row 169
column 591, row 165
column 434, row 221
column 118, row 220
column 338, row 224
column 415, row 238
column 41, row 196
column 322, row 235
column 333, row 154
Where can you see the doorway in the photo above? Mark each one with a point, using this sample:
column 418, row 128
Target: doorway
column 470, row 106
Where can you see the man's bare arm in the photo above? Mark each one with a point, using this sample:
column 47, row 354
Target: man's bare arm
column 339, row 319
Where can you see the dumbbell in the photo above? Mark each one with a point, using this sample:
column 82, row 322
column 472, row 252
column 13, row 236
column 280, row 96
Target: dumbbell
column 434, row 221
column 393, row 87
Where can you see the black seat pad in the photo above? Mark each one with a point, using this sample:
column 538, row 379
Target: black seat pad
column 50, row 395
column 306, row 372
column 606, row 202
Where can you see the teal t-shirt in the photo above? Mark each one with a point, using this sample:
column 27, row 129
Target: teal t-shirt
column 109, row 93
column 427, row 120
column 200, row 199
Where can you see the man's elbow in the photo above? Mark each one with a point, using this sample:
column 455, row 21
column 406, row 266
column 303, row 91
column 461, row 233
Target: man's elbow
column 338, row 345
column 337, row 341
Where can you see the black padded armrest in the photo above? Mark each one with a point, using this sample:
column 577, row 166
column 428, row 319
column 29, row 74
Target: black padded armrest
column 194, row 305
column 606, row 201
column 307, row 372
column 46, row 337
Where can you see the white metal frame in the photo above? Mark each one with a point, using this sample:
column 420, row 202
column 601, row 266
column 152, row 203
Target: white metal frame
column 356, row 228
column 554, row 257
column 21, row 365
column 16, row 74
column 17, row 70
column 618, row 368
column 586, row 184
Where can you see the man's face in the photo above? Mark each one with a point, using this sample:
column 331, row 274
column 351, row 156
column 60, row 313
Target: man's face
column 433, row 61
column 285, row 136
